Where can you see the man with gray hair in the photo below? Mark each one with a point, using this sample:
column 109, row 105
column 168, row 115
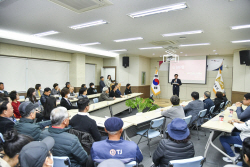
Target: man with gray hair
column 208, row 103
column 27, row 124
column 176, row 111
column 65, row 144
column 105, row 95
column 114, row 146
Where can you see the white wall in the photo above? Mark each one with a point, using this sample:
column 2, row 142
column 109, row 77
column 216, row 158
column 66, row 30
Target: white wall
column 241, row 74
column 187, row 89
column 98, row 66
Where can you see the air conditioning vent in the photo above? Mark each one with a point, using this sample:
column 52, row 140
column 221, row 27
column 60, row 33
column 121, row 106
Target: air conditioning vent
column 161, row 43
column 81, row 6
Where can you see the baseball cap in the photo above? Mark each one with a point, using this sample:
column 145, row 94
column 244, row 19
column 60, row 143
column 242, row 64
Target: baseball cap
column 35, row 153
column 26, row 107
column 113, row 124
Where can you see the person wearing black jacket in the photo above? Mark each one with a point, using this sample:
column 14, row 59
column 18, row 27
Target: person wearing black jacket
column 101, row 84
column 176, row 146
column 113, row 92
column 65, row 101
column 91, row 89
column 45, row 95
column 218, row 100
column 67, row 85
column 128, row 89
column 82, row 122
column 7, row 121
column 176, row 85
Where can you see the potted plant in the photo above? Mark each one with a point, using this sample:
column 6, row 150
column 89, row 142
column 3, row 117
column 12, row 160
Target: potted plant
column 141, row 104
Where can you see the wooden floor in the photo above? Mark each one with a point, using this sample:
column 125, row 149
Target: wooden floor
column 163, row 102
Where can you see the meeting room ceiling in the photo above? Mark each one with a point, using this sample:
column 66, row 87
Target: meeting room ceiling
column 213, row 17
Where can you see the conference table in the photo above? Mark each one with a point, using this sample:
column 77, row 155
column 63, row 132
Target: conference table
column 217, row 127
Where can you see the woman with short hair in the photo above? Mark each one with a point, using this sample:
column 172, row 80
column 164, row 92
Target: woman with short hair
column 39, row 91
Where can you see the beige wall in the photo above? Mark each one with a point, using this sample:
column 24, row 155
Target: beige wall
column 186, row 89
column 144, row 66
column 98, row 66
column 241, row 74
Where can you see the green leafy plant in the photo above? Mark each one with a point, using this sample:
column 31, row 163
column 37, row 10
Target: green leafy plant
column 141, row 104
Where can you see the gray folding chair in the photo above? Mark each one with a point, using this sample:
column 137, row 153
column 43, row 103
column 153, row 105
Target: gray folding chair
column 187, row 120
column 201, row 115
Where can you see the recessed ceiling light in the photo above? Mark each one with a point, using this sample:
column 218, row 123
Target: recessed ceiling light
column 157, row 47
column 214, row 50
column 160, row 56
column 119, row 50
column 216, row 53
column 88, row 44
column 241, row 41
column 46, row 33
column 128, row 39
column 240, row 27
column 162, row 9
column 153, row 54
column 89, row 24
column 185, row 54
column 198, row 44
column 181, row 52
column 182, row 33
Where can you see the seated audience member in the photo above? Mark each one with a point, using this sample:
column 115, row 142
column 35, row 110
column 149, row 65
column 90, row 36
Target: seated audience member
column 12, row 143
column 71, row 91
column 82, row 122
column 117, row 90
column 224, row 97
column 82, row 93
column 65, row 144
column 246, row 150
column 67, row 85
column 2, row 89
column 26, row 125
column 83, row 86
column 7, row 121
column 208, row 103
column 91, row 89
column 56, row 90
column 194, row 107
column 37, row 153
column 114, row 146
column 39, row 91
column 176, row 111
column 101, row 83
column 113, row 92
column 236, row 138
column 176, row 146
column 15, row 103
column 218, row 100
column 45, row 95
column 244, row 115
column 128, row 89
column 49, row 105
column 105, row 95
column 31, row 95
column 65, row 101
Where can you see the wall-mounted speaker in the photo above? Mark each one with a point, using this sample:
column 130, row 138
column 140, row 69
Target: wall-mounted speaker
column 125, row 62
column 245, row 57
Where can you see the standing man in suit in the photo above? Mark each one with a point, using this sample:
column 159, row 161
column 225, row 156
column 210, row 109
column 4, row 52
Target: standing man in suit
column 101, row 84
column 176, row 85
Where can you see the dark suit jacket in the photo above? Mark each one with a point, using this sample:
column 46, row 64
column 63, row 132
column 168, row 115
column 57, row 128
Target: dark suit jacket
column 113, row 94
column 176, row 87
column 102, row 85
column 6, row 124
column 91, row 91
column 65, row 104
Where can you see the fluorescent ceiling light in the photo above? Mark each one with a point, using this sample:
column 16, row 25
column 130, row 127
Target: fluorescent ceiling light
column 120, row 50
column 9, row 35
column 46, row 33
column 162, row 9
column 88, row 44
column 157, row 47
column 240, row 27
column 128, row 39
column 198, row 44
column 241, row 41
column 89, row 24
column 182, row 33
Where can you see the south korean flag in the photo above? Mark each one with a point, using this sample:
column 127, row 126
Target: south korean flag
column 155, row 86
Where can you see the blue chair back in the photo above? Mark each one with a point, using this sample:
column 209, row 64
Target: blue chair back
column 221, row 105
column 61, row 161
column 202, row 113
column 21, row 97
column 95, row 100
column 212, row 109
column 190, row 162
column 188, row 119
column 226, row 103
column 157, row 122
column 131, row 164
column 237, row 145
column 1, row 137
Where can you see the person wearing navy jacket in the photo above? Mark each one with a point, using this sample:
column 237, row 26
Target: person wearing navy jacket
column 176, row 85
